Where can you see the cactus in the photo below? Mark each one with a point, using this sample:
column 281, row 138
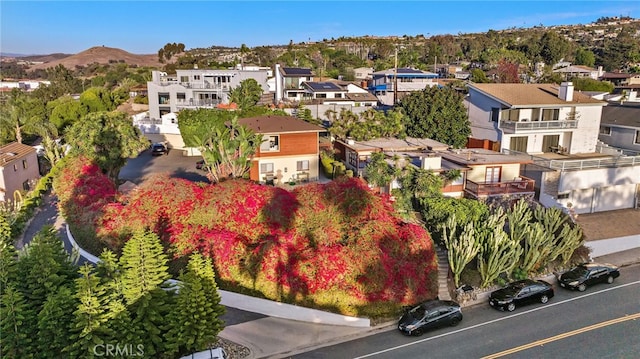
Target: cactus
column 461, row 248
column 499, row 253
column 538, row 244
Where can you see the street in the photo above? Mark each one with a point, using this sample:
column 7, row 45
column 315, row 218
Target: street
column 603, row 322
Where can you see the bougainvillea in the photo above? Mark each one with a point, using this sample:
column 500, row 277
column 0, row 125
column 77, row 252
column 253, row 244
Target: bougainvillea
column 337, row 246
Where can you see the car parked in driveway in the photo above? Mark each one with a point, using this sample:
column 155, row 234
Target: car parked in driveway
column 430, row 315
column 158, row 149
column 584, row 275
column 520, row 293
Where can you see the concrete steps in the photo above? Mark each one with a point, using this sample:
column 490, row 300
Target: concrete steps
column 443, row 274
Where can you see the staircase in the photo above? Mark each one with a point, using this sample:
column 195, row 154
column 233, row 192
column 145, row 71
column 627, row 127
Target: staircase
column 443, row 274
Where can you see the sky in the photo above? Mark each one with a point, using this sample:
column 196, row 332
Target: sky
column 143, row 27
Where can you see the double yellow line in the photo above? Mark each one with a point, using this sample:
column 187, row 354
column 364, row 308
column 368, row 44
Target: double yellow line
column 562, row 336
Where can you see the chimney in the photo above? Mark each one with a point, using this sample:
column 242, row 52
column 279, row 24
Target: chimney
column 566, row 91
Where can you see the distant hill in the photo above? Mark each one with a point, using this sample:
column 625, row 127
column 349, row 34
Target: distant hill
column 97, row 54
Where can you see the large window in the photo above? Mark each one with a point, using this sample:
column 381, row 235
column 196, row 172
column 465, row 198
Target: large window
column 550, row 114
column 510, row 115
column 535, row 114
column 550, row 143
column 518, row 144
column 270, row 143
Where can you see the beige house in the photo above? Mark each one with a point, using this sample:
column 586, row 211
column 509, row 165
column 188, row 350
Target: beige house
column 18, row 169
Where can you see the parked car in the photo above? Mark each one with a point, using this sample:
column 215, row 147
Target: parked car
column 519, row 293
column 430, row 315
column 159, row 149
column 587, row 274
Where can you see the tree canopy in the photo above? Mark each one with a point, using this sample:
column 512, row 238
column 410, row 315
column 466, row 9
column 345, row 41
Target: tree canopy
column 108, row 138
column 436, row 113
column 247, row 94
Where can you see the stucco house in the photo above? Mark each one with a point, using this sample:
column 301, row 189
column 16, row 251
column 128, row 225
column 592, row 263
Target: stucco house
column 197, row 88
column 620, row 126
column 18, row 169
column 558, row 127
column 288, row 85
column 289, row 150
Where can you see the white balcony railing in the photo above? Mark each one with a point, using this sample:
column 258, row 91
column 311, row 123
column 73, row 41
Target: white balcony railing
column 538, row 125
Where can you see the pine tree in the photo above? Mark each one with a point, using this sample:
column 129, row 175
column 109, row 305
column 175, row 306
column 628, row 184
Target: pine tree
column 144, row 270
column 8, row 257
column 144, row 266
column 44, row 266
column 89, row 324
column 16, row 320
column 119, row 317
column 54, row 322
column 195, row 321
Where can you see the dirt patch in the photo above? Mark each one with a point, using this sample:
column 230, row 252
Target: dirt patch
column 610, row 224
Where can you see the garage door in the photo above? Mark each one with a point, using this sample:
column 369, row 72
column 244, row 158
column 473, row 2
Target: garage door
column 614, row 197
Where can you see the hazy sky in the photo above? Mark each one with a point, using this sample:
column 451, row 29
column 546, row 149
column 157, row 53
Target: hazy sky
column 143, row 27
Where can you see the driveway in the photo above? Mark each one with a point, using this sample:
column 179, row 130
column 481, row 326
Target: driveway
column 174, row 163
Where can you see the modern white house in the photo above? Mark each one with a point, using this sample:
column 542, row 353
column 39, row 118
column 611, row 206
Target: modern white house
column 197, row 88
column 558, row 127
column 392, row 84
column 288, row 85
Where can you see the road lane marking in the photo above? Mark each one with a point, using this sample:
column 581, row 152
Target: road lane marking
column 562, row 336
column 495, row 320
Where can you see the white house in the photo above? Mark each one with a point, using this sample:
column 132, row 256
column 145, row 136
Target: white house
column 558, row 127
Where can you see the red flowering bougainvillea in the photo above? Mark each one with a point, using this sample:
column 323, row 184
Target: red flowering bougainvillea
column 337, row 246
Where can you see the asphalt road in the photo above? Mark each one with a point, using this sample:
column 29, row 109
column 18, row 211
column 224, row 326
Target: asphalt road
column 174, row 163
column 603, row 322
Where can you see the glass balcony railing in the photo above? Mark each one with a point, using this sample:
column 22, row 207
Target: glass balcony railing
column 516, row 126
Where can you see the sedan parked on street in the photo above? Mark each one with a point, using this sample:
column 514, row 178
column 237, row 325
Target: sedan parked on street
column 521, row 292
column 430, row 315
column 587, row 274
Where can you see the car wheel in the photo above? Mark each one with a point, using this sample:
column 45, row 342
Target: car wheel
column 610, row 279
column 511, row 307
column 544, row 299
column 582, row 287
column 454, row 321
column 418, row 332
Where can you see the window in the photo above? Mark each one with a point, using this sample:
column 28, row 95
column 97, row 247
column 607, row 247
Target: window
column 184, row 78
column 25, row 185
column 495, row 114
column 518, row 144
column 196, row 77
column 321, row 95
column 338, row 95
column 492, row 174
column 270, row 143
column 564, row 195
column 605, row 130
column 510, row 115
column 181, row 96
column 535, row 114
column 292, row 94
column 24, row 164
column 15, row 167
column 550, row 143
column 550, row 114
column 163, row 98
column 302, row 166
column 636, row 141
column 266, row 168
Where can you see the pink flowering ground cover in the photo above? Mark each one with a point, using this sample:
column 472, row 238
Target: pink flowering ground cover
column 335, row 246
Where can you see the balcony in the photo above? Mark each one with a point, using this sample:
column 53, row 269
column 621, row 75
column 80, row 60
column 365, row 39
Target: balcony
column 518, row 186
column 525, row 126
column 197, row 103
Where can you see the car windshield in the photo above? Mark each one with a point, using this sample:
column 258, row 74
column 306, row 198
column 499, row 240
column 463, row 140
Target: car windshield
column 580, row 271
column 417, row 312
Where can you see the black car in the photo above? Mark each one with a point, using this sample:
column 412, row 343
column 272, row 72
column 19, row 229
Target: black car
column 521, row 292
column 159, row 149
column 430, row 315
column 586, row 274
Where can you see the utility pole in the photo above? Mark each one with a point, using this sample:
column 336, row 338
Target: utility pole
column 395, row 80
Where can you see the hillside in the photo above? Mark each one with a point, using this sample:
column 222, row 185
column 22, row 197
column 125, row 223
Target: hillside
column 101, row 55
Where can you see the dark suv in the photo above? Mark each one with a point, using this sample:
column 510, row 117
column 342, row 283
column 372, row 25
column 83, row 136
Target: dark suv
column 159, row 149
